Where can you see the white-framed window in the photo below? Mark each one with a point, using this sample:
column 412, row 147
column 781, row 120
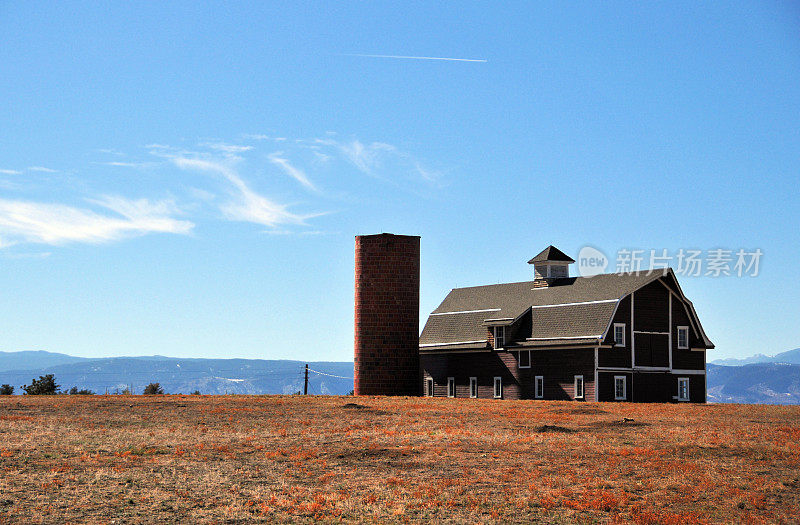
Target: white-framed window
column 524, row 358
column 451, row 387
column 619, row 334
column 620, row 388
column 683, row 389
column 473, row 387
column 579, row 387
column 499, row 337
column 683, row 337
column 498, row 387
column 539, row 387
column 429, row 387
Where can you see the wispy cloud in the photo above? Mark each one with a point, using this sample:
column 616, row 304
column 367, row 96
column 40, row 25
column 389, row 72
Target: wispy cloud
column 404, row 57
column 255, row 136
column 290, row 170
column 231, row 149
column 246, row 205
column 57, row 224
column 42, row 169
column 119, row 164
column 10, row 172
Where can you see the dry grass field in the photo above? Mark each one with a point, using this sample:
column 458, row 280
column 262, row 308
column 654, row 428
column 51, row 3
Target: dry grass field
column 125, row 459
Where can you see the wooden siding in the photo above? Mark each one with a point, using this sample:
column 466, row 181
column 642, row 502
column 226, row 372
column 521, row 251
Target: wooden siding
column 651, row 308
column 618, row 357
column 558, row 367
column 605, row 385
column 461, row 366
column 651, row 349
column 685, row 359
column 651, row 387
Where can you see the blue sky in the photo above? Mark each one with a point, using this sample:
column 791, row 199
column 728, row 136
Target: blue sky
column 187, row 179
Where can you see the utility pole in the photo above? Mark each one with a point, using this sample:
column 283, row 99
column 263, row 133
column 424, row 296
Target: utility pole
column 305, row 388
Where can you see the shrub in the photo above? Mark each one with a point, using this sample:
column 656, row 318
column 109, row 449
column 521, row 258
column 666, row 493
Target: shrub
column 82, row 392
column 44, row 386
column 152, row 389
column 6, row 390
column 196, row 393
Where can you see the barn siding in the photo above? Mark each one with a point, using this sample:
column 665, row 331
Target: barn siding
column 619, row 357
column 651, row 308
column 685, row 359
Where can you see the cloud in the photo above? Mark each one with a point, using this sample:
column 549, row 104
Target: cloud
column 255, row 136
column 227, row 148
column 418, row 58
column 10, row 172
column 57, row 224
column 365, row 157
column 290, row 170
column 42, row 169
column 126, row 164
column 246, row 205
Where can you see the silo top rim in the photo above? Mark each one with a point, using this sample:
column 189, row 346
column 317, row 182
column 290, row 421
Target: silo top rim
column 387, row 235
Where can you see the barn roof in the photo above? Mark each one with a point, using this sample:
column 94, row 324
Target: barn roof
column 570, row 309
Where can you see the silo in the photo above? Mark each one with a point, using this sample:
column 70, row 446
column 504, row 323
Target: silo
column 387, row 315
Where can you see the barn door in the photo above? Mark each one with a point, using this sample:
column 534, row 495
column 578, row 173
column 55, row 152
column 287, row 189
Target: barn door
column 652, row 349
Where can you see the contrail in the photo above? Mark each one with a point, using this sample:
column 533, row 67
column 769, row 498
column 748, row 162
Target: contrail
column 418, row 58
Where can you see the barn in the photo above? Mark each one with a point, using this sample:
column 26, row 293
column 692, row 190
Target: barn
column 609, row 337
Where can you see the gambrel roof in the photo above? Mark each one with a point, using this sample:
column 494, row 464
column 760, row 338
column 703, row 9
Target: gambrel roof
column 569, row 310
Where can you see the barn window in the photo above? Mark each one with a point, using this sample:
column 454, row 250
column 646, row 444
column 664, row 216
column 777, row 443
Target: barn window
column 619, row 334
column 429, row 385
column 683, row 337
column 451, row 387
column 620, row 388
column 578, row 387
column 539, row 386
column 499, row 337
column 683, row 389
column 524, row 358
column 473, row 387
column 498, row 387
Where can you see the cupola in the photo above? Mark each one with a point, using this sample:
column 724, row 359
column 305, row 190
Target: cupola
column 549, row 265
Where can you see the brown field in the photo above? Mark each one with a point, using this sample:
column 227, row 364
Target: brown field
column 126, row 459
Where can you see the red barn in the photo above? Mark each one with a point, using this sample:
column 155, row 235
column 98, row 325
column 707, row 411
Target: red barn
column 610, row 337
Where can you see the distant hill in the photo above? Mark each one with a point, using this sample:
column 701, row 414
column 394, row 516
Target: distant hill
column 209, row 376
column 34, row 359
column 767, row 383
column 791, row 356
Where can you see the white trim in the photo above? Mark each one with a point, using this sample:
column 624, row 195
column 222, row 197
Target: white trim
column 495, row 394
column 424, row 345
column 624, row 388
column 633, row 338
column 488, row 321
column 574, row 304
column 451, row 381
column 688, row 394
column 430, row 385
column 596, row 378
column 624, row 329
column 613, row 315
column 468, row 311
column 473, row 380
column 644, row 370
column 565, row 337
column 687, row 305
column 563, row 347
column 686, row 346
column 659, row 368
column 575, row 388
column 653, row 333
column 536, row 393
column 463, row 351
column 689, row 372
column 519, row 358
column 669, row 343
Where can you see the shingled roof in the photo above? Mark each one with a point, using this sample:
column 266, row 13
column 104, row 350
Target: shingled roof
column 551, row 253
column 570, row 308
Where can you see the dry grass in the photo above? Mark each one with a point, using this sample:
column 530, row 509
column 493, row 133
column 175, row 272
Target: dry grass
column 296, row 459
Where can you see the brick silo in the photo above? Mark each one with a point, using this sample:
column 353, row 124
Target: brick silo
column 387, row 315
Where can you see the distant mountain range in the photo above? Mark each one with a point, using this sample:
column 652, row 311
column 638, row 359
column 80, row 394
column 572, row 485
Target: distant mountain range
column 209, row 376
column 757, row 379
column 791, row 356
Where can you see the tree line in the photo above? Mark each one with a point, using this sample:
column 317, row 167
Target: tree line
column 46, row 386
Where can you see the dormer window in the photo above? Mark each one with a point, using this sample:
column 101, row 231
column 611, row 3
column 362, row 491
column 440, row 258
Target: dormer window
column 499, row 337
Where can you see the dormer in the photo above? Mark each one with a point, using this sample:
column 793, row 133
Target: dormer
column 549, row 265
